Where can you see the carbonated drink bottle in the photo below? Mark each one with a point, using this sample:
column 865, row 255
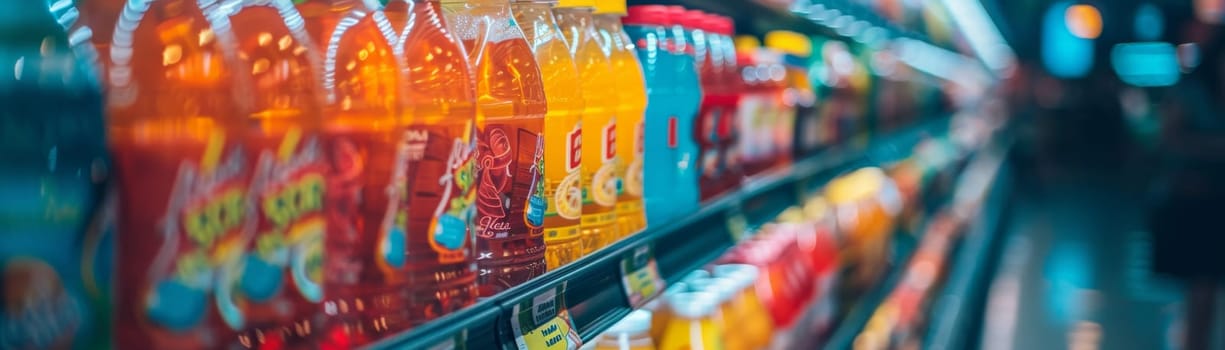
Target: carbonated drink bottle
column 631, row 108
column 562, row 131
column 177, row 125
column 54, row 247
column 511, row 108
column 599, row 121
column 364, row 245
column 278, row 285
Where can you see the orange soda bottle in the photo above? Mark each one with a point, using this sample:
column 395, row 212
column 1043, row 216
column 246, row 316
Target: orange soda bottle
column 563, row 183
column 631, row 92
column 631, row 333
column 692, row 325
column 511, row 108
column 441, row 182
column 365, row 247
column 600, row 136
column 280, row 286
column 176, row 128
column 728, row 318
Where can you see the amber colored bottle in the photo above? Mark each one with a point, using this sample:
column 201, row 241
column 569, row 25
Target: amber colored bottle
column 511, row 108
column 562, row 130
column 176, row 125
column 279, row 286
column 365, row 245
column 631, row 91
column 599, row 123
column 441, row 183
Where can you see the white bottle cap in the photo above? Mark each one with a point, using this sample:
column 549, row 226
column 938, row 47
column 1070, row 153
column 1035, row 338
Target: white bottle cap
column 637, row 322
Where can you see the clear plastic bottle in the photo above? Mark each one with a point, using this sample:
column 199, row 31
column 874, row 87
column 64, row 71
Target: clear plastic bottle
column 631, row 333
column 562, row 130
column 511, row 108
column 56, row 250
column 177, row 120
column 631, row 94
column 599, row 123
column 365, row 248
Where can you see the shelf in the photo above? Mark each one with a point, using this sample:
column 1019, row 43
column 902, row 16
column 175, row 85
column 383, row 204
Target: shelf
column 593, row 291
column 978, row 195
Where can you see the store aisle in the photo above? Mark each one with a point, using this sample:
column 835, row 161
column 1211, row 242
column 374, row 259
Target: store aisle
column 1074, row 271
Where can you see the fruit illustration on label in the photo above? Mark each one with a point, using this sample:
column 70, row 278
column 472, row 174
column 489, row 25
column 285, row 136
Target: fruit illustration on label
column 536, row 204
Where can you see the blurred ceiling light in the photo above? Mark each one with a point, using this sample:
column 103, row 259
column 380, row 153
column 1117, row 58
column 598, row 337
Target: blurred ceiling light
column 1084, row 21
column 1210, row 11
column 984, row 37
column 1146, row 64
column 1150, row 22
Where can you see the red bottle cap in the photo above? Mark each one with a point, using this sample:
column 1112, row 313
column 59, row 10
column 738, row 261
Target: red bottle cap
column 647, row 15
column 676, row 14
column 726, row 26
column 695, row 19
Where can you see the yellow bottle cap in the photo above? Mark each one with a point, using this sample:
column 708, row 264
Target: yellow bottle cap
column 610, row 6
column 747, row 43
column 789, row 42
column 576, row 3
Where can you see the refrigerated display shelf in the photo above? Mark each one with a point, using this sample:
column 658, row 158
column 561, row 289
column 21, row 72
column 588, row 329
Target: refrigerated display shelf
column 979, row 195
column 593, row 292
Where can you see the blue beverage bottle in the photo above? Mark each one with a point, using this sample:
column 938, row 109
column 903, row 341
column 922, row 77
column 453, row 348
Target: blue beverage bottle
column 53, row 166
column 670, row 179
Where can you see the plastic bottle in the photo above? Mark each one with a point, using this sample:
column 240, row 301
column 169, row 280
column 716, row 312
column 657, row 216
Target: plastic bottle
column 279, row 284
column 511, row 108
column 757, row 326
column 599, row 123
column 562, row 130
column 364, row 246
column 720, row 34
column 798, row 94
column 441, row 99
column 631, row 105
column 645, row 25
column 182, row 171
column 56, row 252
column 693, row 324
column 726, row 319
column 631, row 333
column 718, row 100
column 688, row 98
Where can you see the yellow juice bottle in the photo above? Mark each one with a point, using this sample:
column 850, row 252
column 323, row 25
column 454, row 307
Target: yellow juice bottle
column 693, row 325
column 599, row 123
column 631, row 91
column 563, row 182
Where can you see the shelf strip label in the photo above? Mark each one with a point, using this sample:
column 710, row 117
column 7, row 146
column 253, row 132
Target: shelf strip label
column 543, row 323
column 640, row 275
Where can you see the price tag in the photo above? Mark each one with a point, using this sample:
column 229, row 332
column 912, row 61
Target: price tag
column 640, row 275
column 457, row 342
column 543, row 323
column 737, row 224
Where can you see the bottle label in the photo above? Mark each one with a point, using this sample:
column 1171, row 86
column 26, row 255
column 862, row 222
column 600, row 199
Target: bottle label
column 55, row 259
column 438, row 202
column 509, row 197
column 289, row 187
column 563, row 188
column 632, row 178
column 204, row 230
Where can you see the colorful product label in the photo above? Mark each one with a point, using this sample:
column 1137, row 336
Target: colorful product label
column 54, row 255
column 204, row 229
column 604, row 183
column 510, row 199
column 282, row 272
column 563, row 189
column 438, row 201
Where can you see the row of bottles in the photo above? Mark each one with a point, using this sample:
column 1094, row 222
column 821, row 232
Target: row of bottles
column 276, row 173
